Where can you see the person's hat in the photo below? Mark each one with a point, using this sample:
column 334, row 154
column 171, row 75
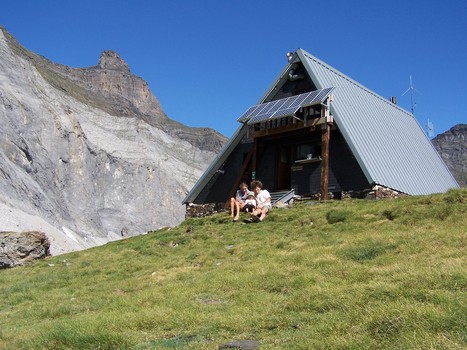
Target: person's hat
column 251, row 193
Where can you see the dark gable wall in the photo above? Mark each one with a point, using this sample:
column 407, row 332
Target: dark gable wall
column 344, row 172
column 218, row 189
column 296, row 87
column 266, row 164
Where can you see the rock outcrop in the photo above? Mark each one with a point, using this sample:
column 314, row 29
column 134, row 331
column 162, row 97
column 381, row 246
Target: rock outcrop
column 19, row 248
column 87, row 155
column 452, row 146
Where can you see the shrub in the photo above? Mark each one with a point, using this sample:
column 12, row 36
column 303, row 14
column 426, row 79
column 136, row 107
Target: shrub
column 334, row 216
column 388, row 214
column 366, row 251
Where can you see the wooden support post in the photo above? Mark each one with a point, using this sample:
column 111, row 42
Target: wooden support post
column 325, row 133
column 253, row 161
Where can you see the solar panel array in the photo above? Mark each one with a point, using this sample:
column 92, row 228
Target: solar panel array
column 284, row 107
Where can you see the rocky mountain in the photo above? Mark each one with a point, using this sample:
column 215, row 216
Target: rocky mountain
column 87, row 155
column 452, row 146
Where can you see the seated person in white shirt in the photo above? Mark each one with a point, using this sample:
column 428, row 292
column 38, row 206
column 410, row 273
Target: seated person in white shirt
column 263, row 201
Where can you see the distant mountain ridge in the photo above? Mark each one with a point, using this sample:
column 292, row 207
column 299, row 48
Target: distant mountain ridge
column 452, row 146
column 87, row 155
column 111, row 87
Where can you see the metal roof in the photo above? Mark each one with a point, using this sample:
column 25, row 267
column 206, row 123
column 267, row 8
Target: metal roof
column 387, row 141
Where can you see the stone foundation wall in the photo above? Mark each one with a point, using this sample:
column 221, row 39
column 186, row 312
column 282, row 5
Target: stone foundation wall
column 201, row 210
column 376, row 192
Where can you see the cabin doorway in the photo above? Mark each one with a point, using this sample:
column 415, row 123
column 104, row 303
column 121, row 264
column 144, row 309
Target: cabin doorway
column 283, row 164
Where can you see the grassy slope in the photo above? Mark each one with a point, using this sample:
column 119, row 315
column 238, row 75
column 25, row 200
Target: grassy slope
column 337, row 275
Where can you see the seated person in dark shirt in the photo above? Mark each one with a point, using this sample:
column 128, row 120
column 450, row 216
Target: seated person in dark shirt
column 237, row 202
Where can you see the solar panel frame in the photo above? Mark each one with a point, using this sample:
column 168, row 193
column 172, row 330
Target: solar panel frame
column 310, row 98
column 245, row 116
column 290, row 100
column 256, row 110
column 285, row 112
column 259, row 110
column 317, row 96
column 297, row 103
column 269, row 111
column 284, row 107
column 259, row 118
column 271, row 107
column 286, row 102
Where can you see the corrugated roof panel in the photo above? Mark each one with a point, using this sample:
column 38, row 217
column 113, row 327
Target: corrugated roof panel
column 386, row 140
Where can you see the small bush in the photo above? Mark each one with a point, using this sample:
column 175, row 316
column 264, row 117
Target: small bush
column 68, row 338
column 366, row 251
column 442, row 212
column 281, row 245
column 455, row 196
column 334, row 216
column 387, row 326
column 388, row 214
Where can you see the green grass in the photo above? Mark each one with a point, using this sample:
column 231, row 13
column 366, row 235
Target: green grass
column 350, row 274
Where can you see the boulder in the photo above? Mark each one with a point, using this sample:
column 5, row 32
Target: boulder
column 19, row 248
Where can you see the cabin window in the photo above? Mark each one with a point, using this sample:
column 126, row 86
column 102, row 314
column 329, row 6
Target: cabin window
column 303, row 151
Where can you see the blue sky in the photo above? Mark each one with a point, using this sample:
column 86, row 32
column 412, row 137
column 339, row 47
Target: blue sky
column 208, row 61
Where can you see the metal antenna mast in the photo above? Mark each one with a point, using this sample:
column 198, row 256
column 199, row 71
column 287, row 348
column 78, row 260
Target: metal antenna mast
column 411, row 89
column 430, row 129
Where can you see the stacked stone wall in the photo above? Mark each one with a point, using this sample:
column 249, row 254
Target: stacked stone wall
column 202, row 210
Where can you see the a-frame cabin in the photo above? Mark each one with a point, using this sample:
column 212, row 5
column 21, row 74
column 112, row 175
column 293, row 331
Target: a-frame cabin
column 317, row 131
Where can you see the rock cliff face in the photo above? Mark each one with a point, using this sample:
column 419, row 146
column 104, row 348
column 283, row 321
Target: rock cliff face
column 86, row 154
column 452, row 146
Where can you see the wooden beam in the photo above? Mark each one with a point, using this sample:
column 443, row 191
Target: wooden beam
column 254, row 160
column 311, row 124
column 325, row 133
column 243, row 168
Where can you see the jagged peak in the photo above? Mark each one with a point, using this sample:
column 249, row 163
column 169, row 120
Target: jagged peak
column 111, row 60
